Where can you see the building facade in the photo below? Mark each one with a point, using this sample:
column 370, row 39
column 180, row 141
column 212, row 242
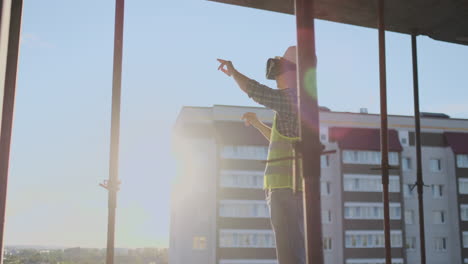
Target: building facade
column 219, row 214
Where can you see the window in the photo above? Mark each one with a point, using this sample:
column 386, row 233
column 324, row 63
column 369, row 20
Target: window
column 353, row 210
column 325, row 188
column 244, row 209
column 199, row 243
column 403, row 135
column 440, row 244
column 324, row 161
column 435, row 165
column 438, row 217
column 463, row 185
column 465, row 239
column 326, row 216
column 437, row 190
column 409, row 190
column 251, row 238
column 323, row 137
column 369, row 183
column 371, row 239
column 406, row 163
column 241, row 179
column 368, row 157
column 464, row 212
column 409, row 217
column 245, row 152
column 372, row 261
column 327, row 243
column 324, row 134
column 404, row 141
column 410, row 243
column 462, row 161
column 395, row 211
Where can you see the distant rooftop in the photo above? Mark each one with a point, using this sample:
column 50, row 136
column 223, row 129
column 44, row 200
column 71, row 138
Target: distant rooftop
column 424, row 115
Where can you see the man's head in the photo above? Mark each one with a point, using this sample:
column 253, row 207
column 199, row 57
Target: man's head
column 283, row 69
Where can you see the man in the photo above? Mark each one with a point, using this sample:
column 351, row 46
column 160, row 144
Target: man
column 286, row 207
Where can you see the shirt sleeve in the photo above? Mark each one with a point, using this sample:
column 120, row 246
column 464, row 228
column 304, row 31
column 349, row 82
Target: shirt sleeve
column 274, row 99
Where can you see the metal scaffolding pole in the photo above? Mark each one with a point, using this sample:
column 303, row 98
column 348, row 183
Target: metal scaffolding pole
column 112, row 185
column 309, row 119
column 8, row 104
column 384, row 130
column 419, row 175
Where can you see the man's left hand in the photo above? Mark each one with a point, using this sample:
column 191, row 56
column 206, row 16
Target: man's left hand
column 250, row 118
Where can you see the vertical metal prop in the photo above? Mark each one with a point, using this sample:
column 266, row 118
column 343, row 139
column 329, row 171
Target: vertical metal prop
column 384, row 129
column 8, row 106
column 113, row 183
column 309, row 118
column 419, row 175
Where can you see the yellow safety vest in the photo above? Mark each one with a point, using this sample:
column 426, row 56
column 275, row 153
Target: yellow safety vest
column 279, row 174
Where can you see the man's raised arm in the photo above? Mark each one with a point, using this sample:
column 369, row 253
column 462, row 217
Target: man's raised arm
column 228, row 68
column 274, row 99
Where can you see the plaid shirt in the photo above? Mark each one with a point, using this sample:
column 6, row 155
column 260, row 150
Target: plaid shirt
column 282, row 101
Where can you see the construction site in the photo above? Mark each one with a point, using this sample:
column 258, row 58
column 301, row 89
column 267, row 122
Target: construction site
column 288, row 180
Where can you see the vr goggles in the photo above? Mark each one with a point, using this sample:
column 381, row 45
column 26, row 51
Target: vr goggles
column 277, row 66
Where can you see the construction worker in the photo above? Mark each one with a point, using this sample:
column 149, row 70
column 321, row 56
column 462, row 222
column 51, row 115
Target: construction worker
column 286, row 206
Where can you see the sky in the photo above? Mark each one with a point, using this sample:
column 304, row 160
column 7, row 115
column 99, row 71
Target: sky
column 61, row 133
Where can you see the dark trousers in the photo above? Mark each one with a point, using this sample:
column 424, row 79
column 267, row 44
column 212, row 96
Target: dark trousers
column 287, row 220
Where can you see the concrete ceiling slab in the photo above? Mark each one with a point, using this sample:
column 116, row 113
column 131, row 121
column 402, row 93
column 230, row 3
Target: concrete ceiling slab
column 445, row 20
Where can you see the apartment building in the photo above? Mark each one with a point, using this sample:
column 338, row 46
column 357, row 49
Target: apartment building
column 219, row 214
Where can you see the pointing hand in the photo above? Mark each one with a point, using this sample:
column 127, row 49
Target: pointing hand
column 226, row 67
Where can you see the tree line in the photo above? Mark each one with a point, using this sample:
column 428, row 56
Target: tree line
column 85, row 256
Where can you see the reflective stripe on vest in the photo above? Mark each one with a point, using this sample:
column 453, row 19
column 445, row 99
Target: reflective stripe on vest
column 278, row 174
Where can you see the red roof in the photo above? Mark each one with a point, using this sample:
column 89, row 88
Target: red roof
column 363, row 138
column 457, row 141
